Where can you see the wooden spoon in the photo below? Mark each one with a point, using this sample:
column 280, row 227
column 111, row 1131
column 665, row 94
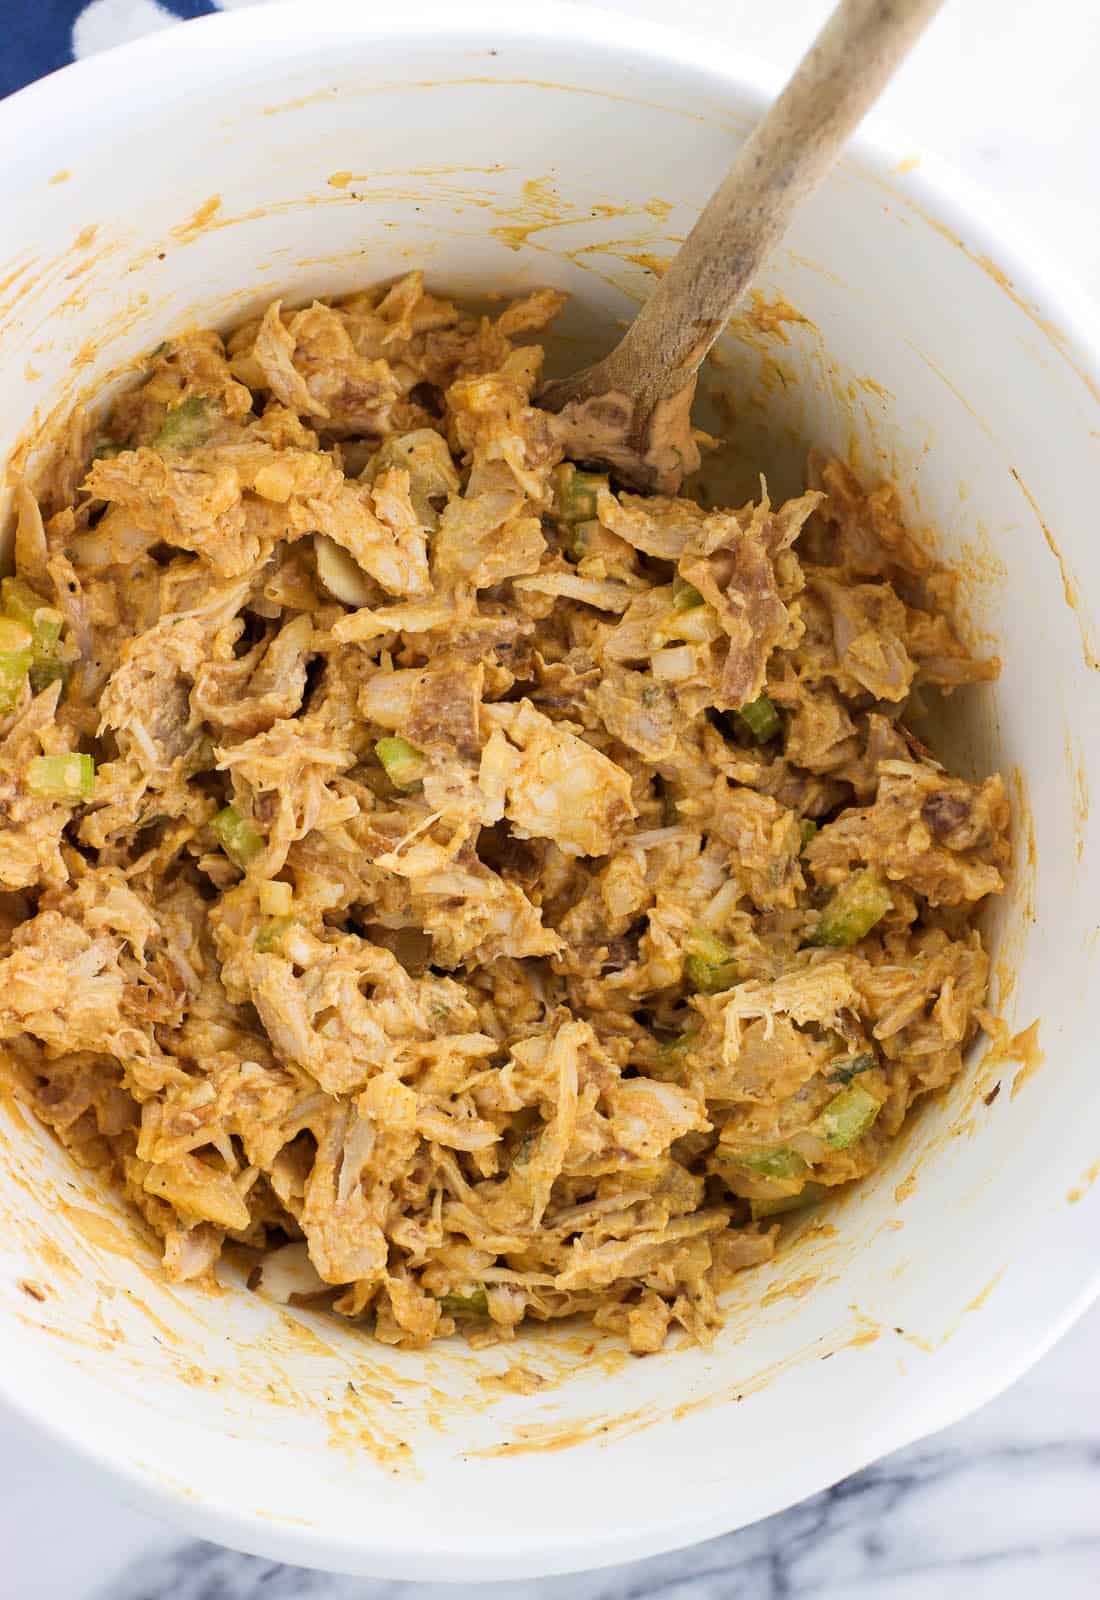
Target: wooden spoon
column 632, row 410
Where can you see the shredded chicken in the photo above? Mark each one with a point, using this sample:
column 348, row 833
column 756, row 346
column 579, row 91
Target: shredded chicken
column 495, row 897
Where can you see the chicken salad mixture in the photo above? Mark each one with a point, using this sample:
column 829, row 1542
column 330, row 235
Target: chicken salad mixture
column 470, row 893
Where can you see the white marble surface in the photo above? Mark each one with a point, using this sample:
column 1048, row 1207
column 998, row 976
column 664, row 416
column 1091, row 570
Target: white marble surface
column 1007, row 1502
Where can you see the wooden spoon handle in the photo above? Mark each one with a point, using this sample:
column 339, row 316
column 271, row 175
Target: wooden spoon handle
column 784, row 159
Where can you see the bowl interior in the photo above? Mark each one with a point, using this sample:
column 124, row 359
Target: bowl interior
column 320, row 153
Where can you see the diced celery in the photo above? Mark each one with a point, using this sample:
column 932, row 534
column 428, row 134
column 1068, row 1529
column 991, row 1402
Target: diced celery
column 673, row 1049
column 687, row 598
column 67, row 777
column 15, row 639
column 424, row 455
column 578, row 493
column 779, row 1162
column 269, row 934
column 19, row 600
column 846, row 1068
column 11, row 682
column 107, row 450
column 851, row 913
column 16, row 655
column 26, row 607
column 525, row 1150
column 23, row 604
column 579, row 538
column 238, row 837
column 847, row 1117
column 760, row 718
column 46, row 630
column 186, row 426
column 405, row 765
column 48, row 670
column 474, row 1304
column 276, row 898
column 807, row 828
column 709, row 964
column 808, row 1195
column 706, row 979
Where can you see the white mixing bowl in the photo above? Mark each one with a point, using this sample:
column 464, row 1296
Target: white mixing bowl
column 311, row 149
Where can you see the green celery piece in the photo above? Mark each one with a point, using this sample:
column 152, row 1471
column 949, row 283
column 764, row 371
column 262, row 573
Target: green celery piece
column 269, row 934
column 474, row 1304
column 709, row 964
column 186, row 426
column 48, row 671
column 809, row 1194
column 238, row 837
column 579, row 537
column 847, row 1117
column 706, row 979
column 687, row 598
column 852, row 911
column 673, row 1049
column 276, row 897
column 16, row 639
column 807, row 828
column 66, row 777
column 23, row 604
column 424, row 455
column 579, row 493
column 46, row 631
column 779, row 1162
column 846, row 1068
column 761, row 719
column 16, row 655
column 404, row 763
column 525, row 1150
column 19, row 600
column 44, row 623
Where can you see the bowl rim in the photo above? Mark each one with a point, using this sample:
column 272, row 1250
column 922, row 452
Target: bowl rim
column 1071, row 320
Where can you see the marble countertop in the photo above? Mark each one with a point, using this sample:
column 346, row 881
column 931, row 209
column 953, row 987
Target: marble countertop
column 1011, row 1496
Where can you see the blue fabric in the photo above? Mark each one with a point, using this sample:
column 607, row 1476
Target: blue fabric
column 36, row 36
